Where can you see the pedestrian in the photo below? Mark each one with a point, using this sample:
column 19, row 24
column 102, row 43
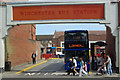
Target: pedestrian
column 96, row 63
column 82, row 68
column 34, row 57
column 102, row 53
column 105, row 69
column 109, row 64
column 100, row 61
column 70, row 68
column 86, row 67
column 75, row 64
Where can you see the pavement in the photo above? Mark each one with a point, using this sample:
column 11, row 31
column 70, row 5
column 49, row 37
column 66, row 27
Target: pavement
column 26, row 65
column 21, row 67
column 57, row 74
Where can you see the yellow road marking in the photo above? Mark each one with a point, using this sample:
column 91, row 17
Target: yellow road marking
column 30, row 67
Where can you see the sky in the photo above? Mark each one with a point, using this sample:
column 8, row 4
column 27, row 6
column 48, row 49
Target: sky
column 49, row 29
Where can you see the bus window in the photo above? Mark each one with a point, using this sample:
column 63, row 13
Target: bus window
column 58, row 49
column 76, row 36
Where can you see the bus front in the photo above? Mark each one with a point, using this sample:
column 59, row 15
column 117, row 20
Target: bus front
column 76, row 45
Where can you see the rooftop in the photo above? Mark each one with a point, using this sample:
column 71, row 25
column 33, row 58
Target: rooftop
column 44, row 37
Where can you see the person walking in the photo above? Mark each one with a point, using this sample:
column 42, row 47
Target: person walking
column 109, row 64
column 70, row 68
column 81, row 67
column 100, row 61
column 34, row 57
column 105, row 70
column 96, row 63
column 102, row 53
column 75, row 64
column 86, row 67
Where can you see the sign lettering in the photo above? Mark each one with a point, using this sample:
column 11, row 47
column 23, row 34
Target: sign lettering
column 75, row 45
column 58, row 12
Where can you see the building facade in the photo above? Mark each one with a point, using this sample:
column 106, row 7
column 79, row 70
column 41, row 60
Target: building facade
column 95, row 36
column 20, row 44
column 110, row 48
column 46, row 43
column 58, row 39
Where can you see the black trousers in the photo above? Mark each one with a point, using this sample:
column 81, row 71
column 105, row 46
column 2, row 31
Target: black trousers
column 96, row 66
column 34, row 61
column 71, row 70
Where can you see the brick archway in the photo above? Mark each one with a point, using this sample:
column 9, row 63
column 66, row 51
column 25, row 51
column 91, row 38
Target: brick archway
column 104, row 12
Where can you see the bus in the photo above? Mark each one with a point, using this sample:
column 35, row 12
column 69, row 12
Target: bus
column 58, row 51
column 76, row 45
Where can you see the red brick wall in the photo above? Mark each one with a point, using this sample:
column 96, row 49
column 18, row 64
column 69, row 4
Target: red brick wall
column 38, row 48
column 54, row 42
column 32, row 32
column 61, row 38
column 110, row 48
column 20, row 46
column 97, row 37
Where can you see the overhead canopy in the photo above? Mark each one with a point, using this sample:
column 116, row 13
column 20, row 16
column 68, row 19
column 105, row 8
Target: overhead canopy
column 100, row 43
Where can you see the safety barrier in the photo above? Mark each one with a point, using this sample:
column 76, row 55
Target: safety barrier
column 47, row 56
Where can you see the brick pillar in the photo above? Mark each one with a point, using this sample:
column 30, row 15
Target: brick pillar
column 110, row 48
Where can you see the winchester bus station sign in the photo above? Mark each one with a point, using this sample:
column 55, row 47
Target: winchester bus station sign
column 57, row 12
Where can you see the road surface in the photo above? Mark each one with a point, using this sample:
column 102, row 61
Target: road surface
column 52, row 69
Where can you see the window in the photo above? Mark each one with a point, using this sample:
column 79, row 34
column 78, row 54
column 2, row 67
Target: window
column 76, row 36
column 31, row 36
column 62, row 44
column 58, row 49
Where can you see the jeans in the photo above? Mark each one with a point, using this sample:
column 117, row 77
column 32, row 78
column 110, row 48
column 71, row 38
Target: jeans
column 82, row 70
column 109, row 70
